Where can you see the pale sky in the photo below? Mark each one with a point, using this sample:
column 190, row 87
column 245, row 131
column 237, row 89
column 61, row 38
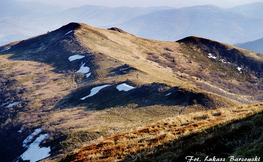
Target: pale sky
column 146, row 3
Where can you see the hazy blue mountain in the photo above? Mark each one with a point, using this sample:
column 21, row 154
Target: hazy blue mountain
column 256, row 45
column 21, row 20
column 104, row 16
column 252, row 10
column 206, row 21
column 10, row 8
column 26, row 19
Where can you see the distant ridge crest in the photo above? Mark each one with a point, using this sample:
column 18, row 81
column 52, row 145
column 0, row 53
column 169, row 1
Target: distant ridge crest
column 70, row 26
column 117, row 29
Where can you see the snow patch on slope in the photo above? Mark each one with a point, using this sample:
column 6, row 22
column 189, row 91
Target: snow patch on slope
column 34, row 152
column 12, row 104
column 3, row 104
column 83, row 69
column 69, row 32
column 94, row 91
column 31, row 136
column 124, row 87
column 6, row 49
column 75, row 57
column 211, row 56
column 88, row 75
column 239, row 69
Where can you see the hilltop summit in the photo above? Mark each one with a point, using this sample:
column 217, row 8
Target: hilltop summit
column 79, row 82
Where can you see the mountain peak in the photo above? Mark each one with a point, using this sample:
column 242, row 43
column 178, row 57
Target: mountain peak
column 50, row 80
column 194, row 39
column 70, row 26
column 117, row 29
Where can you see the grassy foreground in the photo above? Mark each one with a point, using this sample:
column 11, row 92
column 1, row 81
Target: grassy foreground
column 222, row 132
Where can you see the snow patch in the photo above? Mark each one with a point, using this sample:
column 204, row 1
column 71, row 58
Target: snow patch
column 31, row 136
column 223, row 61
column 94, row 91
column 34, row 152
column 88, row 75
column 6, row 49
column 239, row 69
column 211, row 56
column 20, row 131
column 168, row 94
column 12, row 104
column 3, row 104
column 75, row 57
column 83, row 69
column 69, row 32
column 124, row 87
column 74, row 51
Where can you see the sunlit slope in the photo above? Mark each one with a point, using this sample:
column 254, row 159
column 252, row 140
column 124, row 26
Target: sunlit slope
column 131, row 50
column 67, row 82
column 193, row 62
column 219, row 133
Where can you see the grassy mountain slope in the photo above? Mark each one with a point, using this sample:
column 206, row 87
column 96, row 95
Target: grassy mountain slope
column 220, row 133
column 230, row 68
column 170, row 78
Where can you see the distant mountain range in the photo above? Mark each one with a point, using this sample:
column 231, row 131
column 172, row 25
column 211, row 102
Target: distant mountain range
column 256, row 45
column 250, row 10
column 20, row 20
column 205, row 21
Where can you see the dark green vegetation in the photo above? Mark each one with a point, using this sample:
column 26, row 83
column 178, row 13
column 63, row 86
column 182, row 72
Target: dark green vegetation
column 170, row 79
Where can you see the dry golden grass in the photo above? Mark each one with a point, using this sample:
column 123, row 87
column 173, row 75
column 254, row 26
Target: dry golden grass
column 180, row 71
column 150, row 61
column 38, row 77
column 145, row 139
column 126, row 47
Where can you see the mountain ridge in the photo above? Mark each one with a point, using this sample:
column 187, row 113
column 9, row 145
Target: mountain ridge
column 252, row 45
column 198, row 20
column 65, row 82
column 238, row 21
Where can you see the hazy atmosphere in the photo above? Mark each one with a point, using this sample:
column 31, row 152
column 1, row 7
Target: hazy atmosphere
column 147, row 3
column 222, row 20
